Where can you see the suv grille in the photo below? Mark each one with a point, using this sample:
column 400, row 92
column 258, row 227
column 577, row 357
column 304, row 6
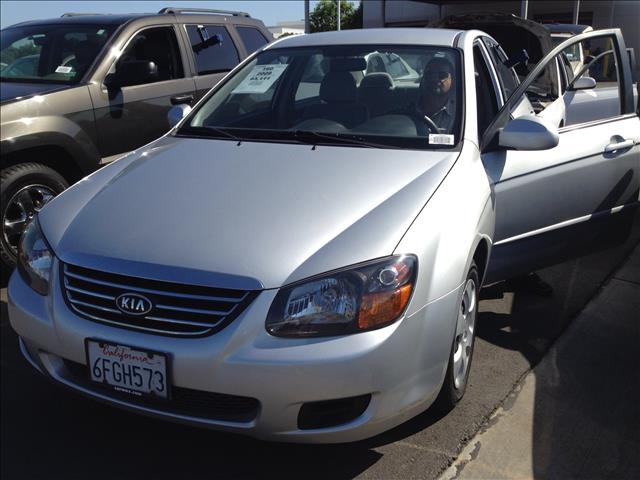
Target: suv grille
column 177, row 309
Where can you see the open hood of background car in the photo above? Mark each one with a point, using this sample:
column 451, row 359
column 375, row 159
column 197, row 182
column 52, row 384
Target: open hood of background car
column 513, row 34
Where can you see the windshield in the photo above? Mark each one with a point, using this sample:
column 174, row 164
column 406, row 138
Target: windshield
column 331, row 95
column 50, row 53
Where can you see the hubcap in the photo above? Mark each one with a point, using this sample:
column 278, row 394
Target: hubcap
column 465, row 330
column 21, row 208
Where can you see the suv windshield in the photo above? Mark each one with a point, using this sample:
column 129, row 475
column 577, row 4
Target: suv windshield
column 50, row 53
column 330, row 95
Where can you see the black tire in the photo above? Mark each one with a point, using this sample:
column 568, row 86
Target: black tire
column 12, row 180
column 449, row 394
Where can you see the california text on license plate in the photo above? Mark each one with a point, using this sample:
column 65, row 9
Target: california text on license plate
column 127, row 369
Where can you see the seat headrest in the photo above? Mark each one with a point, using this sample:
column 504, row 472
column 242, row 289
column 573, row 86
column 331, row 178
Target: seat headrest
column 338, row 87
column 379, row 80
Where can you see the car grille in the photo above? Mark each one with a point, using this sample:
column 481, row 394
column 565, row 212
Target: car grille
column 177, row 309
column 184, row 401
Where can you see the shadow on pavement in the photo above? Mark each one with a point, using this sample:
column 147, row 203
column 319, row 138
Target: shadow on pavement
column 586, row 419
column 62, row 435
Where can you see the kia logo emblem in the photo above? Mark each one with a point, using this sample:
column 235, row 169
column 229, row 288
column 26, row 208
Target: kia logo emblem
column 133, row 304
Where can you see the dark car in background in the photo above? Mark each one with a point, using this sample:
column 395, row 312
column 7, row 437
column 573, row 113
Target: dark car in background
column 81, row 90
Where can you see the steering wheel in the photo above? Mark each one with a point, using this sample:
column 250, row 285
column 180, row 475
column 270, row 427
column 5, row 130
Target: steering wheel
column 430, row 123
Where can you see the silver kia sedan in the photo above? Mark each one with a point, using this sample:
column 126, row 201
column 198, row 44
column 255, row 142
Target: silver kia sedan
column 300, row 257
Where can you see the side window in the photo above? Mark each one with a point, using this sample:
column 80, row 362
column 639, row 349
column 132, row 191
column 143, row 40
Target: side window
column 213, row 49
column 506, row 76
column 157, row 45
column 252, row 38
column 596, row 75
column 485, row 93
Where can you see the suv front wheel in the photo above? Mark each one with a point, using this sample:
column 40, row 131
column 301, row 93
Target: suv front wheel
column 24, row 189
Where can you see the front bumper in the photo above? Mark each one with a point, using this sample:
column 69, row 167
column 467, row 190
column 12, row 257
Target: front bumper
column 400, row 366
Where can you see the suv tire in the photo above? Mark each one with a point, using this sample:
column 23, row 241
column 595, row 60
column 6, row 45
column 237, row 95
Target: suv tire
column 24, row 189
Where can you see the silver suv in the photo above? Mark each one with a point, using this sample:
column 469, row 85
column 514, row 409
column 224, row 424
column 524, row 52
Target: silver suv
column 81, row 90
column 294, row 264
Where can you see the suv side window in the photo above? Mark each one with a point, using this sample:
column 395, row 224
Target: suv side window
column 213, row 49
column 252, row 38
column 158, row 45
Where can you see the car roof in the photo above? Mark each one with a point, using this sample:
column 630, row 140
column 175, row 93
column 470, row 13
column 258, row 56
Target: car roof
column 98, row 19
column 119, row 19
column 379, row 36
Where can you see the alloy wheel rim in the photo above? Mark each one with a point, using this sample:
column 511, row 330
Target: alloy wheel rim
column 465, row 332
column 21, row 208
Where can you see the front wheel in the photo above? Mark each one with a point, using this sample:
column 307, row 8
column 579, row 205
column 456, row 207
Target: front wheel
column 24, row 189
column 459, row 366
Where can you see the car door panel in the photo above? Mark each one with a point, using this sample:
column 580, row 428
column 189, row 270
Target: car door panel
column 130, row 116
column 136, row 115
column 560, row 203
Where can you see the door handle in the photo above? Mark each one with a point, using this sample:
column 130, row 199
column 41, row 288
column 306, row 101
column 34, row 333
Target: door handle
column 613, row 147
column 180, row 99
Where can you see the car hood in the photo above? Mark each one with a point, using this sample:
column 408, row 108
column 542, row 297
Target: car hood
column 254, row 215
column 11, row 91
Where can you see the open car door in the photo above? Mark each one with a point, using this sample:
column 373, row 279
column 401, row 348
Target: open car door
column 564, row 188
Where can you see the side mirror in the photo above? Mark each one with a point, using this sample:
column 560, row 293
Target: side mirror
column 177, row 113
column 133, row 72
column 583, row 83
column 528, row 133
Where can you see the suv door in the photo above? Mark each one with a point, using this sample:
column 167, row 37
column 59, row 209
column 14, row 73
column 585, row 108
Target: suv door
column 581, row 195
column 132, row 115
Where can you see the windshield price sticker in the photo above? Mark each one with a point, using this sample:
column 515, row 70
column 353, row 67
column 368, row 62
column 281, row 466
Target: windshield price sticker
column 440, row 139
column 260, row 79
column 136, row 372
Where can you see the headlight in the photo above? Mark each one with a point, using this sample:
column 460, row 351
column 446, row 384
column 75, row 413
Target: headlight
column 352, row 300
column 35, row 258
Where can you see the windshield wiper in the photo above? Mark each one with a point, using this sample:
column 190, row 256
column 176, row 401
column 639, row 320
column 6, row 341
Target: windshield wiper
column 311, row 137
column 207, row 130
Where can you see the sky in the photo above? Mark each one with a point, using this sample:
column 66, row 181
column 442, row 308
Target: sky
column 270, row 12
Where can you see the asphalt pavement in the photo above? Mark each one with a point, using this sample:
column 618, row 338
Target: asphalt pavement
column 49, row 433
column 577, row 413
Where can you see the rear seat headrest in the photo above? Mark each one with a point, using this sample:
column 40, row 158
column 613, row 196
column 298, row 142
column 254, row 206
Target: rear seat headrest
column 347, row 64
column 338, row 87
column 379, row 80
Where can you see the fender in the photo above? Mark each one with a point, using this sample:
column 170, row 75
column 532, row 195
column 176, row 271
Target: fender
column 56, row 131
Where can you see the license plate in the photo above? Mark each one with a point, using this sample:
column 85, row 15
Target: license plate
column 127, row 369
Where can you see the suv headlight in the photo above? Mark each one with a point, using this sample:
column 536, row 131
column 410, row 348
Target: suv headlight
column 35, row 258
column 351, row 300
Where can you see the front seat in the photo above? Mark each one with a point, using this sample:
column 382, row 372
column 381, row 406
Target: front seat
column 377, row 93
column 339, row 96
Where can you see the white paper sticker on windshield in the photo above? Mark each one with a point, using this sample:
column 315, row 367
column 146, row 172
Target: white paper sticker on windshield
column 260, row 79
column 440, row 139
column 63, row 69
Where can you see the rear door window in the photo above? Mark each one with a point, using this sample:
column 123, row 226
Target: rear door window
column 213, row 48
column 252, row 38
